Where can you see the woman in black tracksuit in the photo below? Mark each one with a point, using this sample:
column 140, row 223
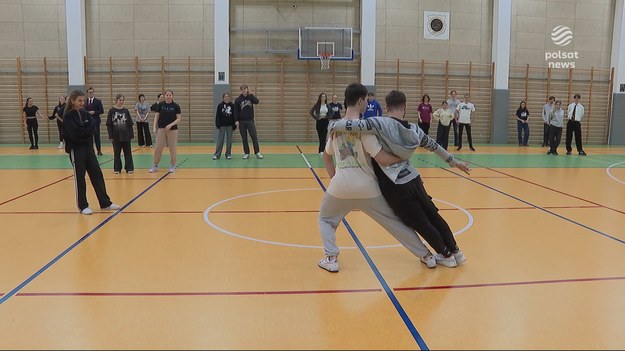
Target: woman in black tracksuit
column 78, row 130
column 58, row 115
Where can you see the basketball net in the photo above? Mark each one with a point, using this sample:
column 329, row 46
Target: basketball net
column 325, row 58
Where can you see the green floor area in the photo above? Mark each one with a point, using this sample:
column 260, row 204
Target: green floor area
column 421, row 159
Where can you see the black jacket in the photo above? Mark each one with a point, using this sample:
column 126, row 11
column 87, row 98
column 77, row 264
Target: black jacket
column 78, row 129
column 224, row 116
column 244, row 107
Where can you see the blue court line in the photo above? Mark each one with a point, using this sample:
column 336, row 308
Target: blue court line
column 389, row 292
column 529, row 203
column 66, row 251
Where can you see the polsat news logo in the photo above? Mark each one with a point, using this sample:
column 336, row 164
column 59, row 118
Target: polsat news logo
column 561, row 36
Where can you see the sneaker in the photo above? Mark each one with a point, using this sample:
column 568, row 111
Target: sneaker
column 112, row 207
column 259, row 155
column 473, row 149
column 86, row 211
column 228, row 157
column 459, row 148
column 330, row 264
column 100, row 153
column 582, row 153
column 429, row 260
column 460, row 257
column 215, row 157
column 549, row 152
column 151, row 146
column 445, row 261
column 131, row 172
column 60, row 145
column 172, row 168
column 154, row 169
column 32, row 147
column 117, row 172
column 246, row 156
column 568, row 153
column 36, row 147
column 143, row 146
column 555, row 153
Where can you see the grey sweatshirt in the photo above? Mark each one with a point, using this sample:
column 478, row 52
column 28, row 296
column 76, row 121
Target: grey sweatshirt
column 398, row 137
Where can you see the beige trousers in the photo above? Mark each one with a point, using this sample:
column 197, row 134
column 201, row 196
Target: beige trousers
column 165, row 137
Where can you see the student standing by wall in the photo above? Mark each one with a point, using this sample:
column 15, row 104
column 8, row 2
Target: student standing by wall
column 522, row 123
column 547, row 108
column 119, row 126
column 465, row 115
column 142, row 110
column 57, row 114
column 166, row 120
column 574, row 125
column 320, row 112
column 425, row 113
column 224, row 122
column 31, row 112
column 244, row 120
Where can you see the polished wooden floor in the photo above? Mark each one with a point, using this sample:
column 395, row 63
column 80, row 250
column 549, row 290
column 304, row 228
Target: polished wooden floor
column 223, row 255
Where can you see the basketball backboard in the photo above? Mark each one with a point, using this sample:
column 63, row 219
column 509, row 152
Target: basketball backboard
column 315, row 41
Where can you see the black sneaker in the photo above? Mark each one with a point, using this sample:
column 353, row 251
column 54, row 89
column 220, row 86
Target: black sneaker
column 568, row 153
column 582, row 153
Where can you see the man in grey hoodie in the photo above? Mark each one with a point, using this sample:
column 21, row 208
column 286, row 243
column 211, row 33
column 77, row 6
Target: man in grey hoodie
column 401, row 183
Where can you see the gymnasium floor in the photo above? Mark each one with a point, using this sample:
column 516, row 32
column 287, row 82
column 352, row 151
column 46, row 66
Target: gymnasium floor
column 223, row 255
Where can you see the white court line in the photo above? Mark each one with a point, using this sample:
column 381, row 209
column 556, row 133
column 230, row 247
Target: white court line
column 609, row 172
column 241, row 236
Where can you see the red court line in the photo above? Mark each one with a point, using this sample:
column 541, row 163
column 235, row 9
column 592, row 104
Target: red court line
column 283, row 211
column 203, row 293
column 312, row 292
column 531, row 282
column 33, row 191
column 554, row 190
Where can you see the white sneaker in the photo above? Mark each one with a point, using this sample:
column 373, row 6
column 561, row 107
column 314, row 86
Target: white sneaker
column 259, row 155
column 228, row 157
column 330, row 264
column 215, row 157
column 112, row 207
column 60, row 145
column 86, row 211
column 246, row 156
column 117, row 172
column 429, row 260
column 460, row 257
column 154, row 169
column 446, row 261
column 172, row 168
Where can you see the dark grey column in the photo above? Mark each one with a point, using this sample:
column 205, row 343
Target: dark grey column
column 499, row 110
column 617, row 125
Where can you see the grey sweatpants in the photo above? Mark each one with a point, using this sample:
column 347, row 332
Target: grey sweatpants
column 333, row 210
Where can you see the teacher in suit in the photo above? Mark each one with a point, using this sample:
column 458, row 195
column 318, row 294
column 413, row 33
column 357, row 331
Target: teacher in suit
column 93, row 105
